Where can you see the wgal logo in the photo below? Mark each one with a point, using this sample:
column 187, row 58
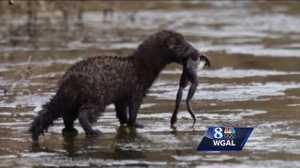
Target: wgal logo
column 225, row 139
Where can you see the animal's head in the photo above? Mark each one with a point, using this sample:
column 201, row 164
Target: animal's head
column 181, row 51
column 172, row 46
column 175, row 46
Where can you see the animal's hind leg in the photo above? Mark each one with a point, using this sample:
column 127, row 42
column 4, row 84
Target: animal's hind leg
column 87, row 115
column 121, row 109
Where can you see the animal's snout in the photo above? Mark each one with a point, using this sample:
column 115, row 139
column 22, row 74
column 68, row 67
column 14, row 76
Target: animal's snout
column 205, row 60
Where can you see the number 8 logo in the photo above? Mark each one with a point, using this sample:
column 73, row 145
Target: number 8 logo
column 218, row 133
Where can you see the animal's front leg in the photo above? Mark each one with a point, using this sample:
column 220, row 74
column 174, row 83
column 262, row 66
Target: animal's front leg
column 134, row 106
column 121, row 109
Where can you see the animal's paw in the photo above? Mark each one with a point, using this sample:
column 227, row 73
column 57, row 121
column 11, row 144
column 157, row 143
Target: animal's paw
column 173, row 121
column 136, row 125
column 173, row 126
column 93, row 133
column 69, row 132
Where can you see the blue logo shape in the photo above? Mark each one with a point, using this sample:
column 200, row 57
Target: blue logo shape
column 224, row 139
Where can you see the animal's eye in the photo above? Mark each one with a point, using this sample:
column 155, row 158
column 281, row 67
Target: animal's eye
column 178, row 42
column 194, row 56
column 172, row 43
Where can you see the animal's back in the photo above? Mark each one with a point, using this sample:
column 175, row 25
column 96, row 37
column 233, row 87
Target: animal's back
column 100, row 78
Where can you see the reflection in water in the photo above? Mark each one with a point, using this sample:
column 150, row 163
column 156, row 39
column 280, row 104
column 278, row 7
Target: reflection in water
column 35, row 147
column 124, row 137
column 125, row 145
column 70, row 146
column 126, row 134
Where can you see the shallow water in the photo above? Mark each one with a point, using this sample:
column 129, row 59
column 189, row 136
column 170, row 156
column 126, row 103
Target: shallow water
column 254, row 81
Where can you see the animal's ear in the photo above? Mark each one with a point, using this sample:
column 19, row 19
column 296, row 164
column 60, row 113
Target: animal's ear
column 171, row 42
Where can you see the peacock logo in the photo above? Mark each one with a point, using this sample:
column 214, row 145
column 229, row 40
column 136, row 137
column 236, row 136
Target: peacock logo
column 229, row 133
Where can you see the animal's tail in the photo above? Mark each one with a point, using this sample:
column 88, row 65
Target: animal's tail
column 50, row 112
